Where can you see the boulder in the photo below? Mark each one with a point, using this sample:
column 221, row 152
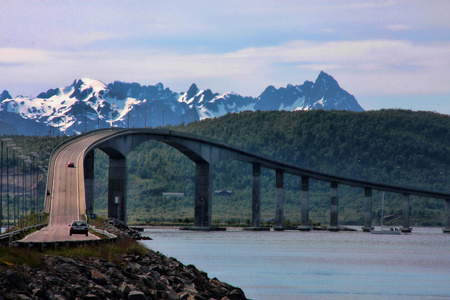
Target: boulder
column 149, row 275
column 98, row 277
column 136, row 295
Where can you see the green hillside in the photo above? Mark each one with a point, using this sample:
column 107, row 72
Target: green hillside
column 389, row 146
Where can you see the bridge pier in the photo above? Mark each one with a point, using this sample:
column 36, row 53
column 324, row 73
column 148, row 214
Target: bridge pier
column 203, row 195
column 334, row 201
column 256, row 196
column 118, row 144
column 89, row 182
column 367, row 210
column 279, row 209
column 447, row 216
column 305, row 205
column 117, row 187
column 406, row 210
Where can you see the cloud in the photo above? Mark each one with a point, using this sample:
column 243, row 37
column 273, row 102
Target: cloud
column 396, row 66
column 398, row 27
column 386, row 47
column 17, row 56
column 362, row 67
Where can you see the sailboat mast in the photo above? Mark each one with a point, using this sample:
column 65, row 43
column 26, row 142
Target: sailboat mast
column 381, row 231
column 382, row 210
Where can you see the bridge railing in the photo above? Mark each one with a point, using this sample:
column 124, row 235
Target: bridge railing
column 273, row 163
column 8, row 238
column 51, row 165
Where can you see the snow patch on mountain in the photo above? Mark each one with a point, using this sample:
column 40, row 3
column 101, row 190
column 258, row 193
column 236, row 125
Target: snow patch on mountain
column 96, row 85
column 297, row 105
column 89, row 104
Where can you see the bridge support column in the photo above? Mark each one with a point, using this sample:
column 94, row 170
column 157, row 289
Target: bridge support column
column 406, row 210
column 367, row 210
column 279, row 209
column 256, row 196
column 334, row 201
column 117, row 187
column 89, row 182
column 305, row 205
column 447, row 216
column 203, row 195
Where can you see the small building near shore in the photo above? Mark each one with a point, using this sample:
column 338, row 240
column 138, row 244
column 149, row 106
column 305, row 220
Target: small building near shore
column 223, row 192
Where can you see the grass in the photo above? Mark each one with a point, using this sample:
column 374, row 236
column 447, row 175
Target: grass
column 11, row 256
column 108, row 252
column 98, row 222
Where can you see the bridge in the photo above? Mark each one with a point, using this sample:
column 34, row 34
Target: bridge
column 71, row 190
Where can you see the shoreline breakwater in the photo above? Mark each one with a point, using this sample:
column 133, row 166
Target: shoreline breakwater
column 137, row 274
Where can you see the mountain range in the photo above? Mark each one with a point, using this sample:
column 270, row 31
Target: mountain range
column 89, row 104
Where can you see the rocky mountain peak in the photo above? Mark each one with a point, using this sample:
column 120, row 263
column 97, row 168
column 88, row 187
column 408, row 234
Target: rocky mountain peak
column 325, row 82
column 5, row 95
column 121, row 104
column 193, row 90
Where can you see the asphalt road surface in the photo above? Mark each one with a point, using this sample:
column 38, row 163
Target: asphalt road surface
column 65, row 198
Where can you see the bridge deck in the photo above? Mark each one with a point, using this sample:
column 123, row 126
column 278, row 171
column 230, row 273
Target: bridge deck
column 67, row 200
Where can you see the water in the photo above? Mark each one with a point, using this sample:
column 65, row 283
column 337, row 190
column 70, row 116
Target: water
column 317, row 265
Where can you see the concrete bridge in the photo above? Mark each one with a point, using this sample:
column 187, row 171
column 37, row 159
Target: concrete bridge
column 204, row 152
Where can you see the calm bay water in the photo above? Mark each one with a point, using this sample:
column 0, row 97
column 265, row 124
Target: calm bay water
column 317, row 265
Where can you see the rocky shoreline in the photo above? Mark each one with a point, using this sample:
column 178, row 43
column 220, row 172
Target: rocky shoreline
column 140, row 275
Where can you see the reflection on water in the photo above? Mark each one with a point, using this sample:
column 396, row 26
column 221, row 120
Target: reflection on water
column 317, row 265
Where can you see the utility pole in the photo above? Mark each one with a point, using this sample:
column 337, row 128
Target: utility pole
column 34, row 195
column 27, row 161
column 15, row 184
column 22, row 160
column 5, row 140
column 8, row 145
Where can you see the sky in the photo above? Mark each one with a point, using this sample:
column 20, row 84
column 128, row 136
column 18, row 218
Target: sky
column 388, row 54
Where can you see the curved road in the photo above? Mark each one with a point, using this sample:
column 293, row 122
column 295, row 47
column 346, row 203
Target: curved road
column 67, row 198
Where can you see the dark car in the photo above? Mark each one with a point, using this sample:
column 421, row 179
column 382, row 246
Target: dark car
column 79, row 227
column 71, row 164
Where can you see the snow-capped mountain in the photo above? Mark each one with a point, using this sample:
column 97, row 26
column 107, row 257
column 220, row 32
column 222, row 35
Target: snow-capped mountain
column 89, row 104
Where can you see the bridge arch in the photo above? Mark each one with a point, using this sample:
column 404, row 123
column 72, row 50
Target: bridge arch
column 205, row 152
column 118, row 146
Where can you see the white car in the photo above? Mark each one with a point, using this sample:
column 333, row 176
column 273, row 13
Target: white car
column 79, row 227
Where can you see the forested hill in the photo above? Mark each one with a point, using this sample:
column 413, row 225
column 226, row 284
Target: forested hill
column 388, row 146
column 391, row 146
